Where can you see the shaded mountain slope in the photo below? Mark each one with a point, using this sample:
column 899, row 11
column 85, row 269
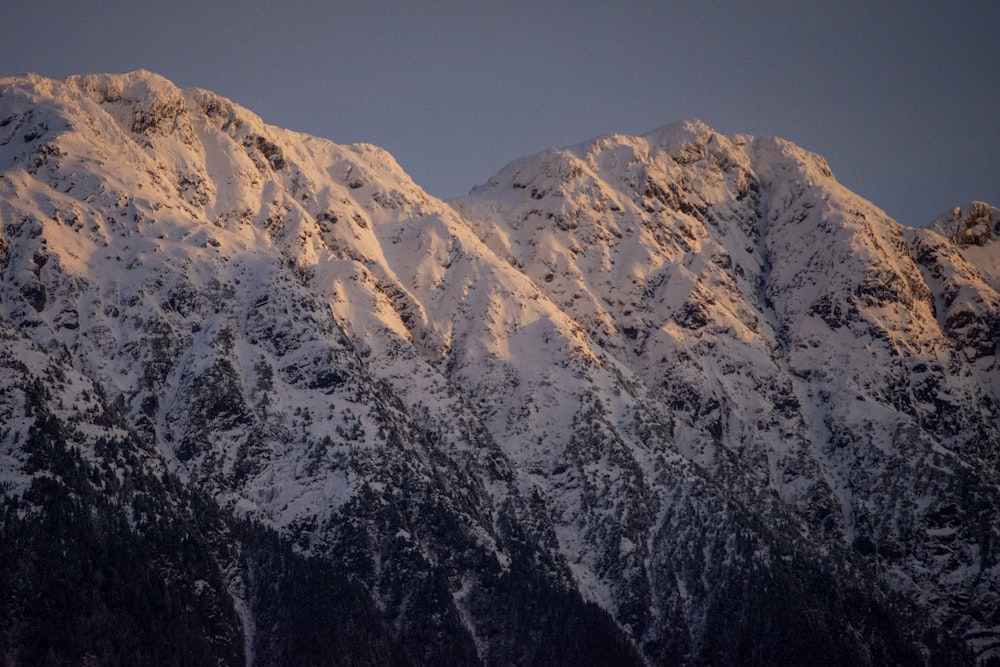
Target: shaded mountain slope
column 623, row 403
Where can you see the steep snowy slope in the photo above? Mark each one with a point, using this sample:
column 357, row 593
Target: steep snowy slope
column 233, row 287
column 621, row 404
column 789, row 324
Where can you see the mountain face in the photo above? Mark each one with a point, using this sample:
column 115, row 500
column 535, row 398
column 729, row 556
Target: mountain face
column 671, row 399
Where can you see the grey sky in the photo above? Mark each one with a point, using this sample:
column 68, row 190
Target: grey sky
column 901, row 97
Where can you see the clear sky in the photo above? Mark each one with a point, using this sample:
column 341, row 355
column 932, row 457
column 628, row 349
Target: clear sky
column 901, row 96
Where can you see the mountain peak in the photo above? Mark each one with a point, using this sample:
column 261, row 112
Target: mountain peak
column 975, row 230
column 975, row 224
column 618, row 400
column 137, row 87
column 674, row 136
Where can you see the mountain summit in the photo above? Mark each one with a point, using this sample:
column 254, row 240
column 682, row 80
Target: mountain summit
column 679, row 398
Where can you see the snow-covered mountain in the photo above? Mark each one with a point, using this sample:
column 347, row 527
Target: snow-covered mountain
column 670, row 399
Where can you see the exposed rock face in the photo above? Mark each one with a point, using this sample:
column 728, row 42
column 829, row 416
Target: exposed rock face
column 671, row 399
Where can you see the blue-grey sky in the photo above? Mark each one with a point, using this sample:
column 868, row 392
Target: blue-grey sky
column 901, row 96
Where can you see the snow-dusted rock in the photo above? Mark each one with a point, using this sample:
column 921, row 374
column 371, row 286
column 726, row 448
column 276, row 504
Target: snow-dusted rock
column 622, row 403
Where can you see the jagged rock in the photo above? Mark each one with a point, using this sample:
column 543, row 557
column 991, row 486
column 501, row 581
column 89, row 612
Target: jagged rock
column 670, row 399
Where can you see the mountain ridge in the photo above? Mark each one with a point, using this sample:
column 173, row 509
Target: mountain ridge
column 645, row 388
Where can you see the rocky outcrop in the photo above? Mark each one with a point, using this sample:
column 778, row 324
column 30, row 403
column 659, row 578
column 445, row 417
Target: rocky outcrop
column 670, row 399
